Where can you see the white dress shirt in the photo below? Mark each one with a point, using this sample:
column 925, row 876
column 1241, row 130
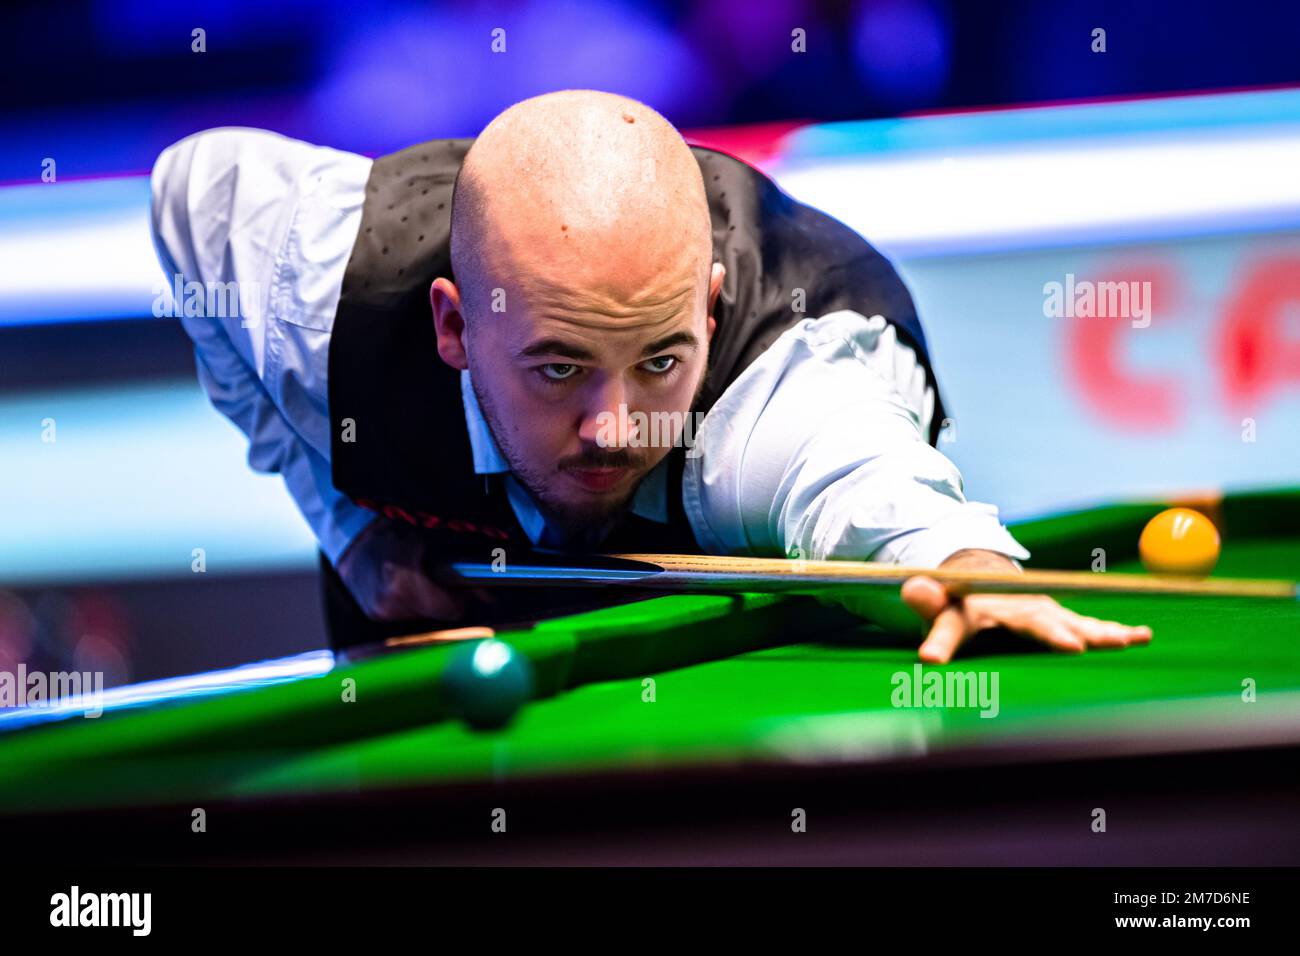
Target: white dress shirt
column 817, row 450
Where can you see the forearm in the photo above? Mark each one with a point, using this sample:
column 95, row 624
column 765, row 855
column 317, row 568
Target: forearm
column 905, row 507
column 857, row 480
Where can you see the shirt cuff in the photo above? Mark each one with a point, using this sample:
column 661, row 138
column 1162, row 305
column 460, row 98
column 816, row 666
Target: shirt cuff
column 346, row 522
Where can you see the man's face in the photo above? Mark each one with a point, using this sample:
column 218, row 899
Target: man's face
column 561, row 377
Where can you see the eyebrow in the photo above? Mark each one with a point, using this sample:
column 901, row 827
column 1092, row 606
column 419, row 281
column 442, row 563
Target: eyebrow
column 558, row 347
column 563, row 349
column 672, row 340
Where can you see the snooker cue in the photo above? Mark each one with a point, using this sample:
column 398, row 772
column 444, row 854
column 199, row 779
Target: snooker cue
column 720, row 573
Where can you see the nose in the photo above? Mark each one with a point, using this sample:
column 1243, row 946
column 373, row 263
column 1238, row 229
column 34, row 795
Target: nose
column 605, row 414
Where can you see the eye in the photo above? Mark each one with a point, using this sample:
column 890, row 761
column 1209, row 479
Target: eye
column 557, row 371
column 660, row 365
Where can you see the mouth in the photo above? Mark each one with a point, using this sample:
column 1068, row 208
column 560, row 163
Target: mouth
column 598, row 479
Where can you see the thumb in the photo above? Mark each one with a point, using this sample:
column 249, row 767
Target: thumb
column 926, row 596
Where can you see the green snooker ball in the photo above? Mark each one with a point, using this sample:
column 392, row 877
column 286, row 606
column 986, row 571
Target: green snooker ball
column 486, row 682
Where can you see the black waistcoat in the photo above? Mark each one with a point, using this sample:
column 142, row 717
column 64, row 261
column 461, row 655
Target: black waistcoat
column 399, row 442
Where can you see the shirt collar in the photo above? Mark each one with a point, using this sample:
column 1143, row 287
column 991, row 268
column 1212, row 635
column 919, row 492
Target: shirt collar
column 649, row 502
column 488, row 459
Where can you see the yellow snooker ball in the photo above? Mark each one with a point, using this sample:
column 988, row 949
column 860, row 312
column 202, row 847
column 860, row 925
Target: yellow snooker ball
column 1179, row 541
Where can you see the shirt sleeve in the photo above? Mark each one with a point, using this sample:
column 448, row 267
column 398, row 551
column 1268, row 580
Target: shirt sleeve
column 244, row 212
column 818, row 451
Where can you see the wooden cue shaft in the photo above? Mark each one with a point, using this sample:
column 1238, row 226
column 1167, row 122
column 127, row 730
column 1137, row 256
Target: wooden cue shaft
column 832, row 573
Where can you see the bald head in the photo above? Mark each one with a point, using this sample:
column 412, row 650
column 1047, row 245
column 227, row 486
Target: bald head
column 588, row 201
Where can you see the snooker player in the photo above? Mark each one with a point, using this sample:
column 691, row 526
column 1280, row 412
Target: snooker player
column 431, row 348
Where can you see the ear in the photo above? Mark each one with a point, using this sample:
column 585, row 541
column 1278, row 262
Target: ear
column 715, row 287
column 448, row 323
